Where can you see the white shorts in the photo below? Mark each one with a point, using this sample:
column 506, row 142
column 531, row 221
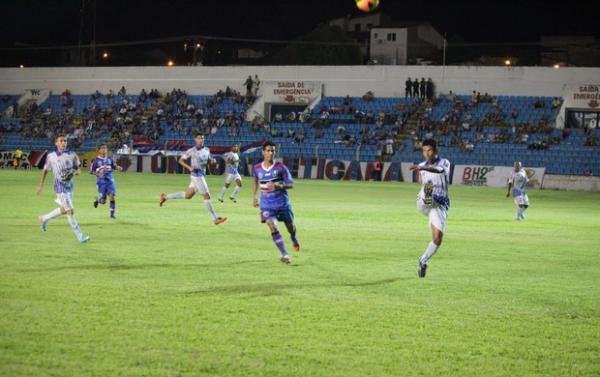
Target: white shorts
column 198, row 184
column 232, row 177
column 438, row 216
column 522, row 200
column 65, row 200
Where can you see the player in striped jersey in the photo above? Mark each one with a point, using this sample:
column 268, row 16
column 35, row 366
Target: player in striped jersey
column 274, row 179
column 199, row 157
column 64, row 164
column 432, row 200
column 518, row 181
column 232, row 159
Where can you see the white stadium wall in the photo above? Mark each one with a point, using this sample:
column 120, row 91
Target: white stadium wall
column 385, row 81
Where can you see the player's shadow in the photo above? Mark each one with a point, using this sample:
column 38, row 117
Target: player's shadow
column 277, row 289
column 138, row 266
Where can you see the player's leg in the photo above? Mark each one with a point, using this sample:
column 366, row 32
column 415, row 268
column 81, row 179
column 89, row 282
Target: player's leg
column 225, row 187
column 202, row 187
column 101, row 198
column 437, row 223
column 67, row 205
column 236, row 189
column 288, row 220
column 113, row 205
column 43, row 219
column 188, row 194
column 278, row 239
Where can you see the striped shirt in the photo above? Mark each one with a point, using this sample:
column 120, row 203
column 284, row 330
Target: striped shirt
column 438, row 181
column 199, row 159
column 63, row 166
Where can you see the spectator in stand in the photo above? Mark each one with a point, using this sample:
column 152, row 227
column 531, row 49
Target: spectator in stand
column 430, row 89
column 368, row 96
column 256, row 84
column 451, row 97
column 408, row 88
column 474, row 99
column 586, row 170
column 423, row 88
column 122, row 91
column 556, row 103
column 249, row 84
column 415, row 88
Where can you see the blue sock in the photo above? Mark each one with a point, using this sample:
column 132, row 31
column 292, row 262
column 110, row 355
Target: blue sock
column 112, row 207
column 279, row 242
column 294, row 239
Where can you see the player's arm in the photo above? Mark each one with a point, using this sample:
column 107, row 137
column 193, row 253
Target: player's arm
column 509, row 187
column 42, row 180
column 183, row 162
column 431, row 169
column 116, row 166
column 77, row 165
column 254, row 190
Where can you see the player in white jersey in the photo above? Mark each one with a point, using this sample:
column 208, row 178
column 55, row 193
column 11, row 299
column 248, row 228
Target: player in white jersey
column 199, row 157
column 518, row 181
column 64, row 164
column 232, row 159
column 433, row 200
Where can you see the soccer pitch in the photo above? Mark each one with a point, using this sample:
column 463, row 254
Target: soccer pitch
column 164, row 292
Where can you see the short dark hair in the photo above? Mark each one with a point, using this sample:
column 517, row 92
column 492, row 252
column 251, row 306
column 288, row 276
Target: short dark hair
column 58, row 136
column 431, row 143
column 266, row 144
column 198, row 134
column 101, row 145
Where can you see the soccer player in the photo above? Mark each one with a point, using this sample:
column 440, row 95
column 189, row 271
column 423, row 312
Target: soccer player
column 102, row 167
column 233, row 159
column 432, row 200
column 517, row 181
column 199, row 157
column 64, row 164
column 274, row 179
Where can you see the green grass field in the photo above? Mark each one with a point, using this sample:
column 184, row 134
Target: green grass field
column 163, row 292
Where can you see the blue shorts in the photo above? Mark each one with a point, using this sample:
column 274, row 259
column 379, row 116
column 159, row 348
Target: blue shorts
column 284, row 214
column 108, row 188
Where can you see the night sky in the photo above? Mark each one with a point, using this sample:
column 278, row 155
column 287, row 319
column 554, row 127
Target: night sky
column 55, row 22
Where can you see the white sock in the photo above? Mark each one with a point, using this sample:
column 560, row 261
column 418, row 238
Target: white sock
column 431, row 249
column 210, row 208
column 235, row 191
column 51, row 215
column 176, row 195
column 74, row 226
column 222, row 193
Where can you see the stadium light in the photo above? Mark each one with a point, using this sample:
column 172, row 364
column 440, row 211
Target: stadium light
column 507, row 62
column 21, row 66
column 170, row 63
column 105, row 55
column 557, row 66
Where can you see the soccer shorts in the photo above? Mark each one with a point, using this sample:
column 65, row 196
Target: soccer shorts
column 108, row 188
column 198, row 184
column 438, row 216
column 232, row 177
column 284, row 214
column 522, row 199
column 65, row 200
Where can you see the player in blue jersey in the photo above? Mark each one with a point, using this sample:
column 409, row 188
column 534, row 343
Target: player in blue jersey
column 517, row 182
column 433, row 200
column 274, row 179
column 102, row 167
column 199, row 157
column 232, row 159
column 64, row 165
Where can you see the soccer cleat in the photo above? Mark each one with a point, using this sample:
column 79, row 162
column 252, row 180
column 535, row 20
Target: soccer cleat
column 233, row 199
column 286, row 259
column 220, row 220
column 112, row 216
column 84, row 239
column 422, row 269
column 163, row 199
column 42, row 223
column 296, row 247
column 428, row 191
column 95, row 203
column 220, row 199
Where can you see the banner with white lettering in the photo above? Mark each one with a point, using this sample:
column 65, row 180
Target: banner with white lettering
column 493, row 176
